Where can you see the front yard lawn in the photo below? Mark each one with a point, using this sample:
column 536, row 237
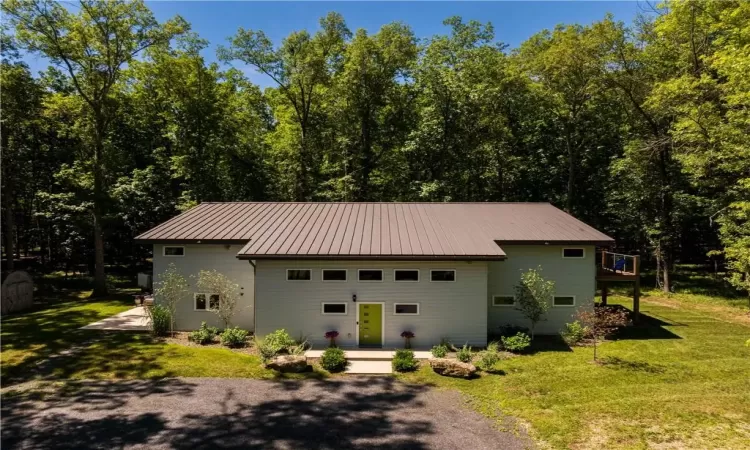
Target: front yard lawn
column 30, row 338
column 681, row 381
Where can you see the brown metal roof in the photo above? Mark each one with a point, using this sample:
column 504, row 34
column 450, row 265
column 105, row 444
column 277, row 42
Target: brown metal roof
column 375, row 230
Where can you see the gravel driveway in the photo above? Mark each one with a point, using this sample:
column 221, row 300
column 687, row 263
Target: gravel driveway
column 194, row 413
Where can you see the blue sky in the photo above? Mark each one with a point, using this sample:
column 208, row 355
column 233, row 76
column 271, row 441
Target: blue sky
column 514, row 22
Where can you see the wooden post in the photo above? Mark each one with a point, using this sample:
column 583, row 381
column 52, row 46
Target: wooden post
column 604, row 259
column 605, row 291
column 637, row 288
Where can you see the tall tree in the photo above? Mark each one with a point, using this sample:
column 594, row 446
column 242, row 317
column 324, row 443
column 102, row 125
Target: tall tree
column 92, row 44
column 21, row 98
column 302, row 67
column 370, row 109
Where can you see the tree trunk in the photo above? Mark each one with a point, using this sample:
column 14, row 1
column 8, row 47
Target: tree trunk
column 571, row 173
column 100, row 280
column 8, row 202
column 9, row 231
column 666, row 216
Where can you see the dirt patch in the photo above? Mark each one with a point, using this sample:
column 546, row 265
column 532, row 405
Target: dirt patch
column 181, row 338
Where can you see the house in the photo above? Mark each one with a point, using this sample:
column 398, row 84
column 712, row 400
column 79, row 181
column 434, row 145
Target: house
column 373, row 270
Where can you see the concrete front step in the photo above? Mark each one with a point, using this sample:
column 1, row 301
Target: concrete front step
column 370, row 355
column 369, row 367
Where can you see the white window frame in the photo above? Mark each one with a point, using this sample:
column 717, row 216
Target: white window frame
column 419, row 275
column 455, row 275
column 298, row 281
column 504, row 306
column 164, row 251
column 419, row 308
column 382, row 276
column 562, row 253
column 564, row 306
column 208, row 301
column 323, row 275
column 323, row 308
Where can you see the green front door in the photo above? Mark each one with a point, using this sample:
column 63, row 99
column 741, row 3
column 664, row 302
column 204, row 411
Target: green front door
column 370, row 325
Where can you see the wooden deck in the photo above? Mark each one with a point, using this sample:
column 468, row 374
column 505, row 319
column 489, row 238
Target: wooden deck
column 603, row 274
column 616, row 267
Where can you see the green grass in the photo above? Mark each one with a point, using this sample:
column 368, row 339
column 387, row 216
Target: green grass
column 681, row 380
column 32, row 337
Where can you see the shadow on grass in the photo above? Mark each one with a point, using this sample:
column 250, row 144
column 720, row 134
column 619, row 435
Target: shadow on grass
column 633, row 366
column 49, row 328
column 547, row 343
column 648, row 327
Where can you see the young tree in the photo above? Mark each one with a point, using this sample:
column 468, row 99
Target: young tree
column 171, row 288
column 602, row 321
column 214, row 282
column 92, row 44
column 533, row 294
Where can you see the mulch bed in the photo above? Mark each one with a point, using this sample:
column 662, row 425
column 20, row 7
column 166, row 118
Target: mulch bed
column 181, row 338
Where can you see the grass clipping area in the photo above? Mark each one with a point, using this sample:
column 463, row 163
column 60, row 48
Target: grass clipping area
column 683, row 381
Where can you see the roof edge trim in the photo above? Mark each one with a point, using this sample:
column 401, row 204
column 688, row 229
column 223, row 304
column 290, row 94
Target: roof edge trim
column 377, row 257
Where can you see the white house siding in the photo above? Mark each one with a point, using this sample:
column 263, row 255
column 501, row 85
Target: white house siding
column 572, row 277
column 453, row 310
column 209, row 257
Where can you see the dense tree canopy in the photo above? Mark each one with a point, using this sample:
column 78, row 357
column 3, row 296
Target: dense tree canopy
column 639, row 130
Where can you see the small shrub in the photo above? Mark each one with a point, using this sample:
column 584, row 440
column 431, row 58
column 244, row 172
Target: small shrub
column 495, row 346
column 517, row 343
column 439, row 351
column 203, row 335
column 464, row 354
column 333, row 359
column 487, row 359
column 279, row 341
column 403, row 361
column 233, row 337
column 160, row 320
column 448, row 344
column 574, row 333
column 511, row 330
column 265, row 350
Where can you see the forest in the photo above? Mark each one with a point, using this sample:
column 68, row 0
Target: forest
column 639, row 129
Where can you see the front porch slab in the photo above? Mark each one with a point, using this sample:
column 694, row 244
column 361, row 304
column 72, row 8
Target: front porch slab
column 370, row 354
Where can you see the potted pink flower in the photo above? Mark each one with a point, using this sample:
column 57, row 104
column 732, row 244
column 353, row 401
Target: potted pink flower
column 407, row 335
column 331, row 336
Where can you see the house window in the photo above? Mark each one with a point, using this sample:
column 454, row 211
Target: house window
column 573, row 253
column 206, row 302
column 564, row 301
column 174, row 251
column 406, row 275
column 503, row 300
column 406, row 309
column 370, row 274
column 298, row 274
column 334, row 309
column 443, row 275
column 334, row 274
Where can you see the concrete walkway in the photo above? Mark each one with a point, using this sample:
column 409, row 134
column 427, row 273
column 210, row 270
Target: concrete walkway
column 135, row 319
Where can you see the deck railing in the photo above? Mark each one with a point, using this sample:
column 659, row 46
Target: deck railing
column 619, row 263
